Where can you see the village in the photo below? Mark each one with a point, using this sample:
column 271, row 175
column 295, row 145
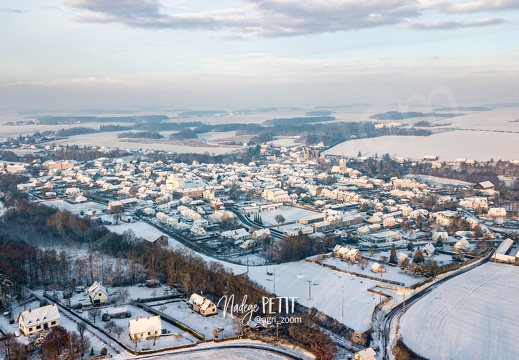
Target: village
column 391, row 236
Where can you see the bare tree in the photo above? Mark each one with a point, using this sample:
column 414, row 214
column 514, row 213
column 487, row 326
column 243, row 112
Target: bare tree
column 136, row 340
column 93, row 314
column 122, row 294
column 110, row 325
column 118, row 330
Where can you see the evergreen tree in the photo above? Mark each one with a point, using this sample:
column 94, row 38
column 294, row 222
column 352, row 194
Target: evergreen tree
column 392, row 256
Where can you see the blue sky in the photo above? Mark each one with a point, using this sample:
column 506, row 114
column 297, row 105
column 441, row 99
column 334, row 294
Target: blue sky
column 73, row 54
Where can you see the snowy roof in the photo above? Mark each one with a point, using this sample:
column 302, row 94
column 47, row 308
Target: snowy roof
column 202, row 302
column 367, row 353
column 145, row 325
column 116, row 310
column 95, row 289
column 40, row 315
column 505, row 245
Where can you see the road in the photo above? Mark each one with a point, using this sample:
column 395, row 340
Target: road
column 387, row 321
column 224, row 347
column 244, row 219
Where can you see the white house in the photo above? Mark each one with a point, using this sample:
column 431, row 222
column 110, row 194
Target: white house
column 428, row 250
column 462, row 245
column 202, row 305
column 43, row 318
column 141, row 328
column 97, row 294
column 440, row 235
column 366, row 354
column 377, row 268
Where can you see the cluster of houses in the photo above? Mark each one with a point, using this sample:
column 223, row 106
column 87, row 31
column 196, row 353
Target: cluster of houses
column 197, row 198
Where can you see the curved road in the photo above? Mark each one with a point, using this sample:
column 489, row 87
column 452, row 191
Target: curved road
column 265, row 348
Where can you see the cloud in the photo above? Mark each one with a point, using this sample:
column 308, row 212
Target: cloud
column 120, row 8
column 449, row 25
column 282, row 18
column 13, row 11
column 269, row 18
column 482, row 5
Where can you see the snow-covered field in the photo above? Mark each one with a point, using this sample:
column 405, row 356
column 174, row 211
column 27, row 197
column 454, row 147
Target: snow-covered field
column 434, row 180
column 289, row 213
column 76, row 208
column 473, row 316
column 392, row 273
column 448, row 146
column 327, row 289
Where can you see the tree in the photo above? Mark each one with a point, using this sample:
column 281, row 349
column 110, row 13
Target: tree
column 135, row 341
column 280, row 219
column 118, row 330
column 110, row 325
column 404, row 264
column 392, row 256
column 418, row 257
column 55, row 342
column 122, row 294
column 5, row 292
column 93, row 314
column 410, row 246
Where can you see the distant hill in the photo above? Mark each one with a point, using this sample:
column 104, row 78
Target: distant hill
column 397, row 115
column 299, row 120
column 465, row 108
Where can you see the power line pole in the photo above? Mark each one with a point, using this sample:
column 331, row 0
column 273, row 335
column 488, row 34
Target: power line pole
column 309, row 290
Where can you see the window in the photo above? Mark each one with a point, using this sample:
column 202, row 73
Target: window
column 149, row 333
column 38, row 327
column 53, row 323
column 30, row 329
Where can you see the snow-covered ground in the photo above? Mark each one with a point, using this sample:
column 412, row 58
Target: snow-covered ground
column 180, row 311
column 433, row 180
column 392, row 273
column 75, row 208
column 327, row 290
column 472, row 316
column 289, row 213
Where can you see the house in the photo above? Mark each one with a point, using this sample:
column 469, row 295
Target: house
column 497, row 212
column 97, row 294
column 366, row 354
column 202, row 305
column 462, row 245
column 261, row 234
column 377, row 268
column 503, row 249
column 247, row 244
column 484, row 185
column 237, row 235
column 401, row 256
column 389, row 222
column 43, row 318
column 348, row 253
column 428, row 250
column 440, row 235
column 142, row 328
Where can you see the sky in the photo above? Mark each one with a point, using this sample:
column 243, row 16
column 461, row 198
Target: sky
column 232, row 54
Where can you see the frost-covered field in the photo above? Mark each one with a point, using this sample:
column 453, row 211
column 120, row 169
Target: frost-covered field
column 392, row 273
column 289, row 213
column 448, row 146
column 327, row 287
column 76, row 208
column 473, row 316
